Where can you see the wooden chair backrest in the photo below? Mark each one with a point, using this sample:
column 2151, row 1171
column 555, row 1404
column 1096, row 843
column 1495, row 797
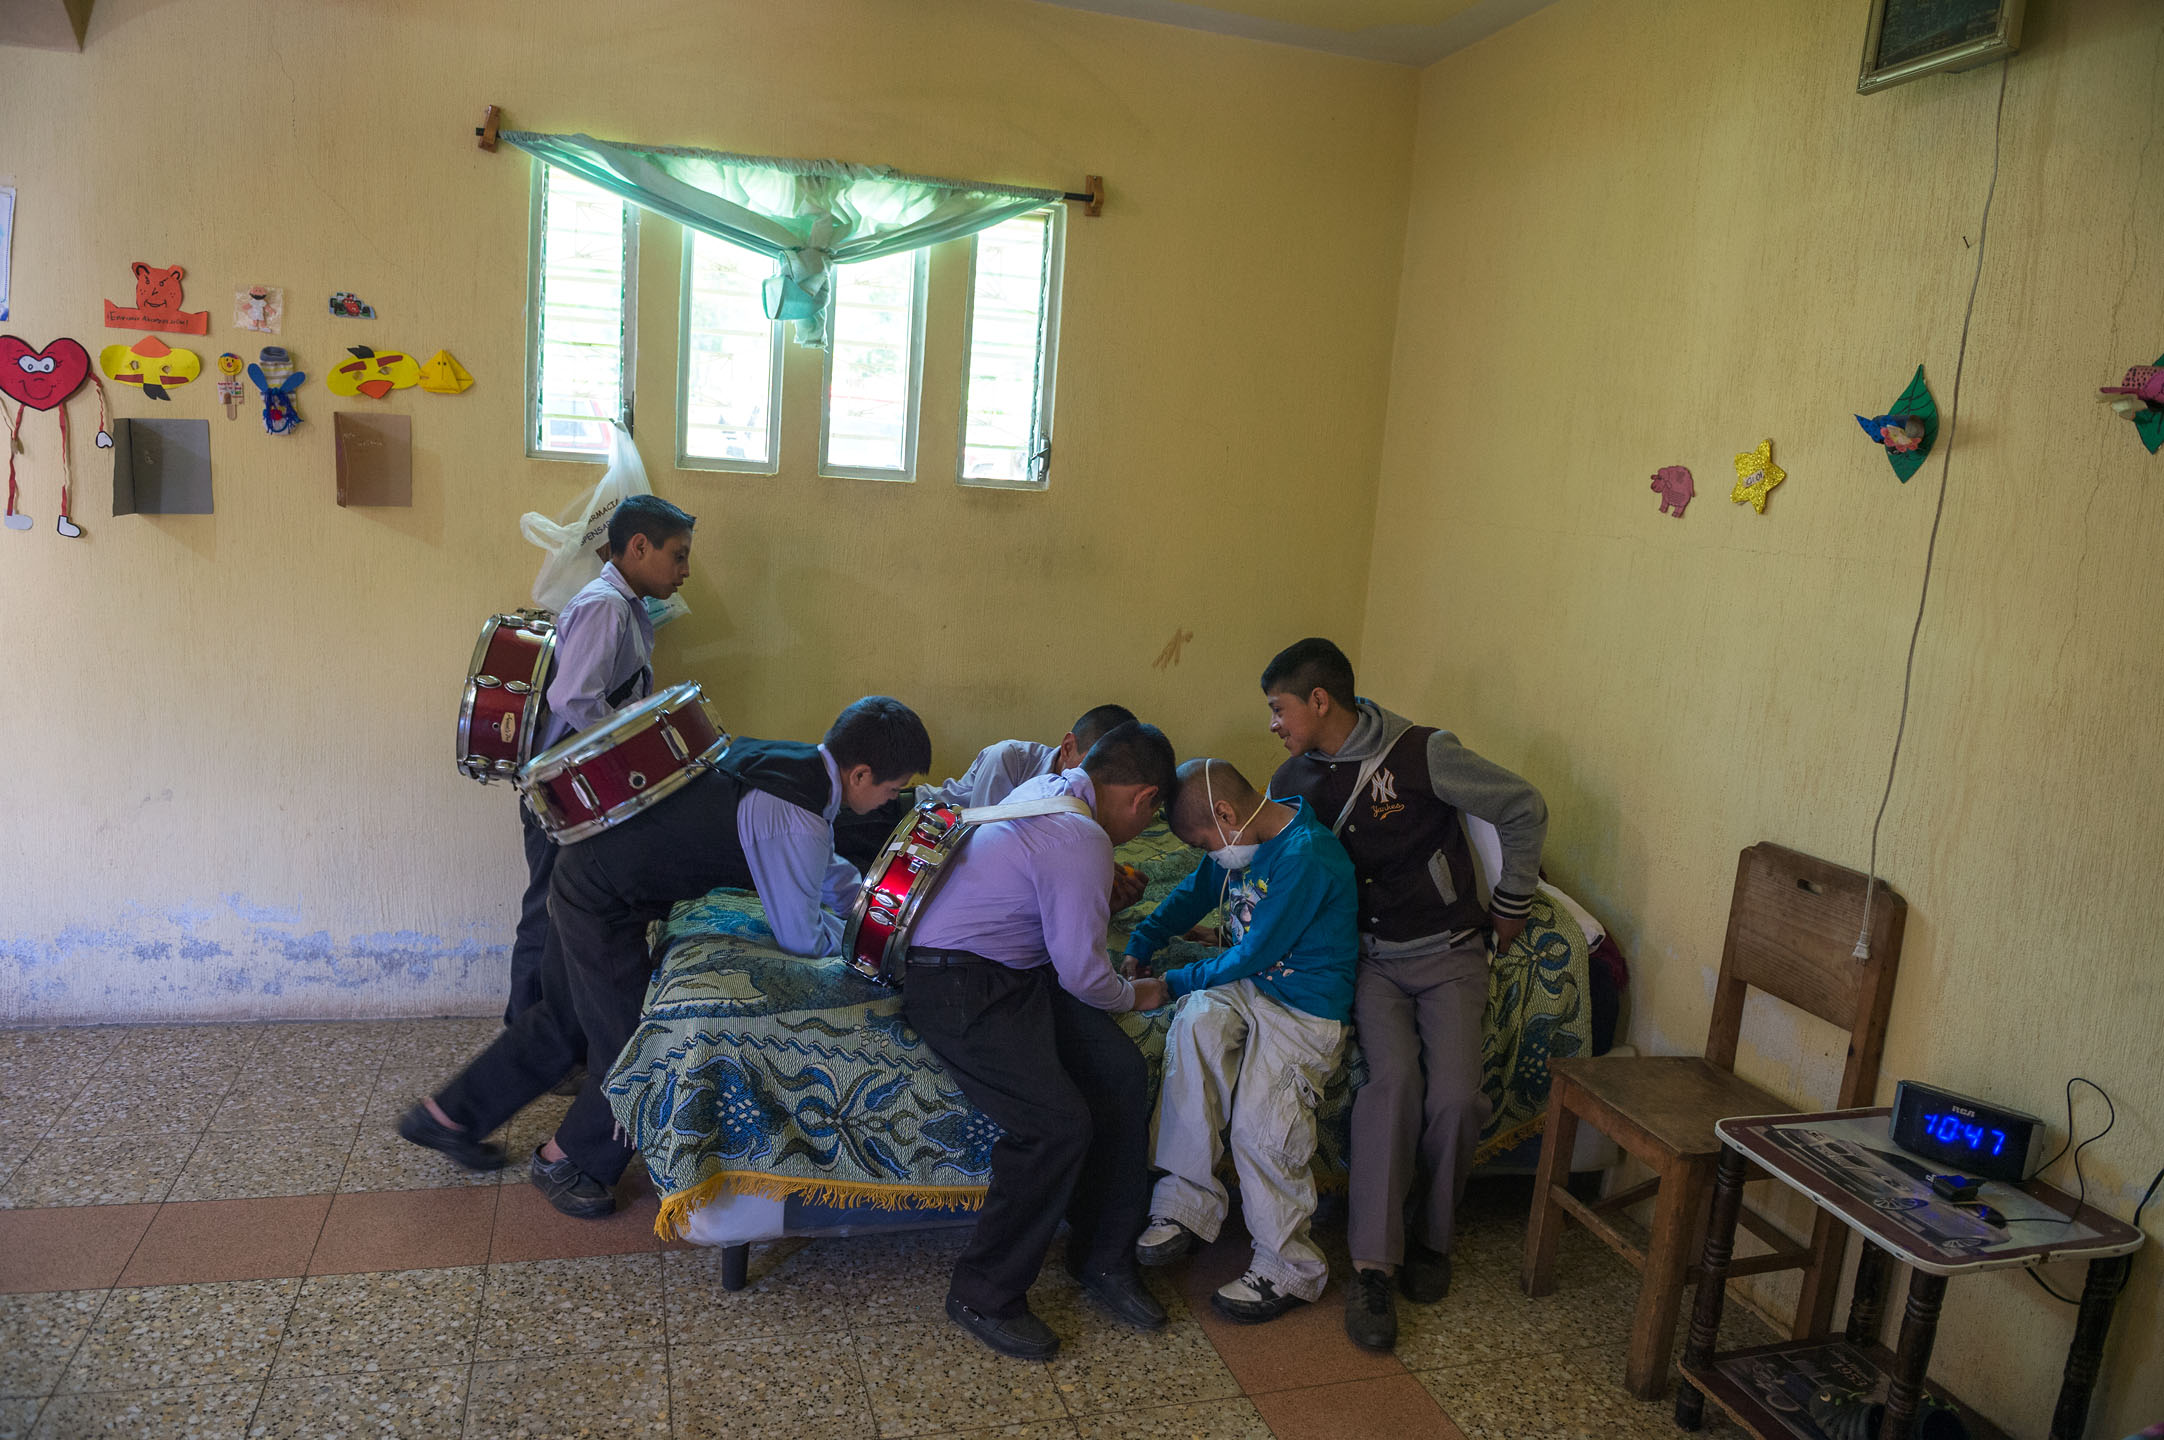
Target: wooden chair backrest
column 1792, row 933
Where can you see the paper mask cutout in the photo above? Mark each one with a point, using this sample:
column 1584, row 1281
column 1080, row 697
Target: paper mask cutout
column 229, row 386
column 280, row 413
column 44, row 378
column 373, row 375
column 444, row 375
column 157, row 305
column 1676, row 489
column 161, row 467
column 260, row 308
column 2139, row 397
column 1756, row 475
column 348, row 306
column 375, row 458
column 1908, row 430
column 151, row 364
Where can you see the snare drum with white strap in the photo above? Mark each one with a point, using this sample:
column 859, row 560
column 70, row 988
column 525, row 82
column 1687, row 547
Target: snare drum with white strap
column 910, row 868
column 630, row 762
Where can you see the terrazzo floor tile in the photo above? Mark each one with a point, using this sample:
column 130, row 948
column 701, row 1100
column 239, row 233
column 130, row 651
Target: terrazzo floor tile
column 1030, row 1430
column 165, row 1335
column 407, row 1319
column 1304, row 1346
column 18, row 1416
column 525, row 1132
column 383, row 1405
column 1393, row 1405
column 573, row 1397
column 38, row 1336
column 167, row 1105
column 217, row 1240
column 1600, row 1373
column 33, row 1104
column 405, row 1230
column 1104, row 1365
column 542, row 1307
column 837, row 1284
column 383, row 1161
column 1539, row 1397
column 529, row 1228
column 930, row 1378
column 77, row 1247
column 1205, row 1420
column 320, row 1099
column 125, row 1170
column 1480, row 1323
column 442, row 1045
column 397, row 1088
column 55, row 1047
column 276, row 1160
column 778, row 1388
column 322, row 1042
column 196, row 1412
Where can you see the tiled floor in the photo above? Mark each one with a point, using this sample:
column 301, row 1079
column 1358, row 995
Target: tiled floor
column 209, row 1231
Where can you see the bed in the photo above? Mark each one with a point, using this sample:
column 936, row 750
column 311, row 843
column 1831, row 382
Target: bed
column 772, row 1095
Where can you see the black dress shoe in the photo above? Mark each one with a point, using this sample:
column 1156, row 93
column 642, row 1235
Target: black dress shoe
column 1424, row 1278
column 1371, row 1315
column 1123, row 1294
column 422, row 1128
column 569, row 1188
column 1023, row 1337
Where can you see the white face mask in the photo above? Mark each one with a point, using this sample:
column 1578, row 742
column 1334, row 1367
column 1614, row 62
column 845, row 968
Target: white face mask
column 1230, row 857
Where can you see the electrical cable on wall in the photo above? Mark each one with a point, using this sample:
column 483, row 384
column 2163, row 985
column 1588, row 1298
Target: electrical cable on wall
column 1938, row 512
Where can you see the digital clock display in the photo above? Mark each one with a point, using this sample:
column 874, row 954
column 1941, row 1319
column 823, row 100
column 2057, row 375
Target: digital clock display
column 1972, row 1136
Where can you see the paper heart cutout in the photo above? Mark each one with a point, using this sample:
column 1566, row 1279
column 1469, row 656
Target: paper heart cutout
column 20, row 522
column 44, row 378
column 68, row 527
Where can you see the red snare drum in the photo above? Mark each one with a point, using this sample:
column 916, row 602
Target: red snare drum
column 896, row 887
column 634, row 759
column 501, row 711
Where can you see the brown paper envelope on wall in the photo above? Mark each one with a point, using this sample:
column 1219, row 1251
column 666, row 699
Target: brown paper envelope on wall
column 375, row 458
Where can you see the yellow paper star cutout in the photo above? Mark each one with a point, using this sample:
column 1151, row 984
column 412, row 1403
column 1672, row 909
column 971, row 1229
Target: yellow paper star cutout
column 1756, row 475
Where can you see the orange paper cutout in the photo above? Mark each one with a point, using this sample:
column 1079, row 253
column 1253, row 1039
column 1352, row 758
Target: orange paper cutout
column 157, row 305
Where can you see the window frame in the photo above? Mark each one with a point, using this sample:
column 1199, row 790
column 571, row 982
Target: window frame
column 1048, row 340
column 685, row 460
column 920, row 287
column 536, row 268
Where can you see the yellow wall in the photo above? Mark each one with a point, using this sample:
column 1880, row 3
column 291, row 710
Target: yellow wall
column 231, row 789
column 1645, row 235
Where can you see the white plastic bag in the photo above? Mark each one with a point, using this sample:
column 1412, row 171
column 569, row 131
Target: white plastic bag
column 571, row 542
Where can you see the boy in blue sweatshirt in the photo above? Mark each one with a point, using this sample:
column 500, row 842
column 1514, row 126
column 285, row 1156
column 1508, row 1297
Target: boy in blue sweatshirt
column 1260, row 1027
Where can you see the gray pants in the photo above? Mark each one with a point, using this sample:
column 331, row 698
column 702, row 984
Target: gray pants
column 1416, row 1122
column 1233, row 1052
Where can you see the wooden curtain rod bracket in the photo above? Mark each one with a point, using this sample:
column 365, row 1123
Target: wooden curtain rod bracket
column 1092, row 197
column 487, row 128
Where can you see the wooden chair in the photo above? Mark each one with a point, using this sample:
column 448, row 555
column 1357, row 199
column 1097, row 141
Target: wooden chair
column 1791, row 933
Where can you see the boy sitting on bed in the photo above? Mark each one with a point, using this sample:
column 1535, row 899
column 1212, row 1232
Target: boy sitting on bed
column 1260, row 1031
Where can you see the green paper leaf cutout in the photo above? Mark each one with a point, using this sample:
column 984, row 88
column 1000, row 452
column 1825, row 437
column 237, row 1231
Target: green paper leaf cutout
column 2149, row 424
column 1917, row 401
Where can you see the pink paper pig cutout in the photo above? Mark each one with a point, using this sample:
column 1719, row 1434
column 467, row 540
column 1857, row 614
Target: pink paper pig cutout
column 1673, row 482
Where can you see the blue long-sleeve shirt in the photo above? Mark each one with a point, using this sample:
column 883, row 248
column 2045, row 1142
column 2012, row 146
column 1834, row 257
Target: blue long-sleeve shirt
column 1291, row 917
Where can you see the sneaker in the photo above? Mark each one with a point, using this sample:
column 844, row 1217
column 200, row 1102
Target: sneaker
column 1023, row 1336
column 1371, row 1315
column 1124, row 1295
column 1164, row 1242
column 569, row 1188
column 421, row 1128
column 1424, row 1278
column 1252, row 1299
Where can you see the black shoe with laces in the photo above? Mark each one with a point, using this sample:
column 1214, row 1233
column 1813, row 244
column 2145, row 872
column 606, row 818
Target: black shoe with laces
column 569, row 1188
column 1424, row 1278
column 418, row 1127
column 1371, row 1313
column 1022, row 1337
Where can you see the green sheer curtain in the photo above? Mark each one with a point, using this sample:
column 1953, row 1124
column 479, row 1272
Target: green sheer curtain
column 809, row 215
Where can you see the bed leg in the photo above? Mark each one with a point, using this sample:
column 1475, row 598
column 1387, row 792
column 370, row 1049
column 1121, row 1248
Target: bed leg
column 735, row 1260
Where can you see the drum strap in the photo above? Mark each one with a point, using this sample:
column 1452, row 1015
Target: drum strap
column 1023, row 810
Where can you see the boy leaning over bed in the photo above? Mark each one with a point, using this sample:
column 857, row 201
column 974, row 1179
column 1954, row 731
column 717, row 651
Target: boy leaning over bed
column 1259, row 1031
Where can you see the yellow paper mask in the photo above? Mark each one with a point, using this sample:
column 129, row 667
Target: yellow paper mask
column 373, row 375
column 151, row 364
column 444, row 375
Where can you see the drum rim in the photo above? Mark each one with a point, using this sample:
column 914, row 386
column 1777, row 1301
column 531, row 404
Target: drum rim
column 912, row 902
column 586, row 744
column 645, row 799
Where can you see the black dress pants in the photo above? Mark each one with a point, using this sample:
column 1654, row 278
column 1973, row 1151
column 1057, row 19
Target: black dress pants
column 1071, row 1092
column 596, row 965
column 533, row 916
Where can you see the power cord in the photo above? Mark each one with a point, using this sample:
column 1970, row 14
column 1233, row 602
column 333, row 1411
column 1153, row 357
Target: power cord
column 2081, row 1181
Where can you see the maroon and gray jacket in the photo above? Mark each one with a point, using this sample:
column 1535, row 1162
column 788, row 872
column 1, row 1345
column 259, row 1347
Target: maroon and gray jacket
column 1401, row 826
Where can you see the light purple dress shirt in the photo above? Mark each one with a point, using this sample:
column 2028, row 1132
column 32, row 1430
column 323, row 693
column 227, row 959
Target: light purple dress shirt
column 603, row 638
column 803, row 885
column 1033, row 892
column 992, row 776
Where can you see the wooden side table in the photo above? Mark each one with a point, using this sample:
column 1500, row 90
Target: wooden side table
column 1845, row 1162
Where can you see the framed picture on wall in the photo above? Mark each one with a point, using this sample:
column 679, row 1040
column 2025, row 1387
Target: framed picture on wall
column 1909, row 38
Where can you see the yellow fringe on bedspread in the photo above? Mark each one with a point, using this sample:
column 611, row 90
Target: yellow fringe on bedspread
column 677, row 1206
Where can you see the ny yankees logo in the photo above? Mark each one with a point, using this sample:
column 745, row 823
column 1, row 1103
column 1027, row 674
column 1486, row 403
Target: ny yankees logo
column 1383, row 787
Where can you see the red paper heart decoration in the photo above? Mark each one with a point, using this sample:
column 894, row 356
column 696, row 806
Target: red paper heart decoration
column 41, row 379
